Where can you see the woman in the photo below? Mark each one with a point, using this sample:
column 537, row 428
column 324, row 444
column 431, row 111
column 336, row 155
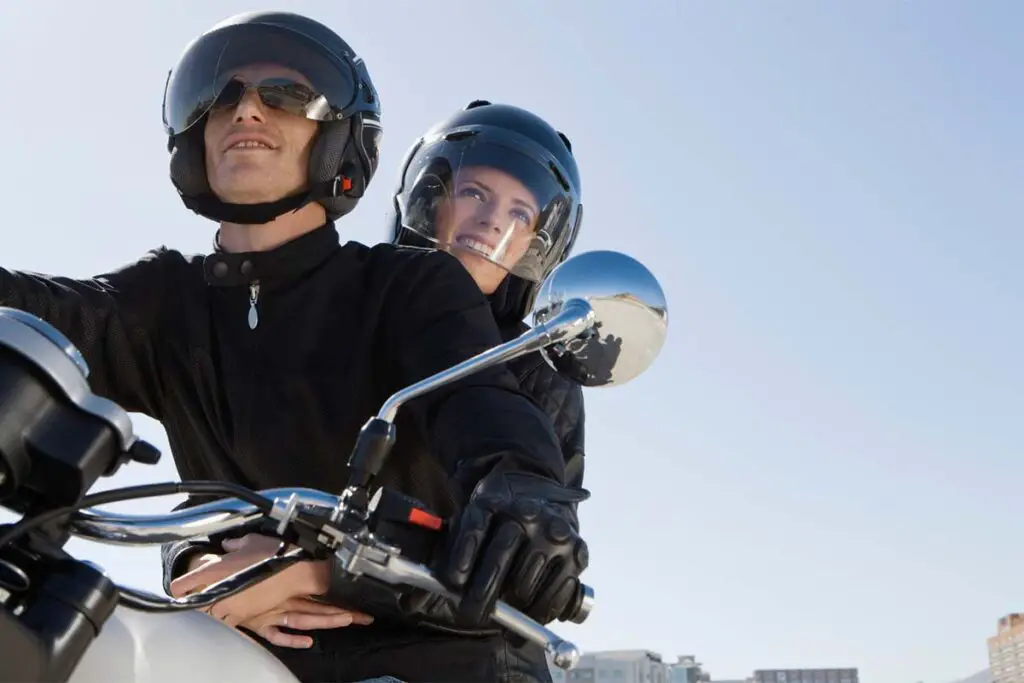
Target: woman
column 498, row 188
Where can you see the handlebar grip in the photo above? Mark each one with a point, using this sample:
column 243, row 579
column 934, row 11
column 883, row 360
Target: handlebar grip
column 564, row 655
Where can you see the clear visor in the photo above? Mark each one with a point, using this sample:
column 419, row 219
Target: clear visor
column 496, row 197
column 257, row 55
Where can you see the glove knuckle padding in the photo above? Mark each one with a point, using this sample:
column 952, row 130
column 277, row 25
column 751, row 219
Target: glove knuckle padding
column 467, row 542
column 530, row 553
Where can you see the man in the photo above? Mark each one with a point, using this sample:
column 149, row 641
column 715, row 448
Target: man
column 263, row 359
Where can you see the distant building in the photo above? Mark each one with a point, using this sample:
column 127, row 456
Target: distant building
column 631, row 666
column 615, row 666
column 806, row 676
column 1006, row 650
column 687, row 670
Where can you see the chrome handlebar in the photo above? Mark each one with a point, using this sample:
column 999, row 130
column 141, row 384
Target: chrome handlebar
column 358, row 554
column 205, row 519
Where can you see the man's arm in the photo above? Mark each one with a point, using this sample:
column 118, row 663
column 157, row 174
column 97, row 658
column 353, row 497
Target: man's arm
column 561, row 397
column 483, row 422
column 573, row 447
column 113, row 319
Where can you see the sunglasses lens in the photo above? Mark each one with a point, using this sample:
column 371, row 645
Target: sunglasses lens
column 276, row 93
column 231, row 95
column 288, row 96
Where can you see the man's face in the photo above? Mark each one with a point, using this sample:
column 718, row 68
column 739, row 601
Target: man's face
column 255, row 153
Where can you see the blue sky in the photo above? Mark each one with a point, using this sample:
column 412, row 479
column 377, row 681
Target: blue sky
column 823, row 468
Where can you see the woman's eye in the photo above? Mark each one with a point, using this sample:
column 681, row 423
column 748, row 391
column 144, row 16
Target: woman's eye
column 472, row 193
column 521, row 216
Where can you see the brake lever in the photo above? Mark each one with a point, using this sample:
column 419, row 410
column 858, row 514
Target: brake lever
column 384, row 563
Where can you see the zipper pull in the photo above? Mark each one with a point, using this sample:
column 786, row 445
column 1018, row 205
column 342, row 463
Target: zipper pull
column 254, row 297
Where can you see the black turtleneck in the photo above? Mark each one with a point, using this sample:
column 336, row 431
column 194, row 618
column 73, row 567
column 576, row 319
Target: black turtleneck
column 287, row 262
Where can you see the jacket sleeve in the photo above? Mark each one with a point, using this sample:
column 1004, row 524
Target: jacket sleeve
column 175, row 556
column 573, row 446
column 561, row 399
column 113, row 319
column 483, row 422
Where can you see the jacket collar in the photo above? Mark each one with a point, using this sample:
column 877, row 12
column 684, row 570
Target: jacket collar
column 286, row 262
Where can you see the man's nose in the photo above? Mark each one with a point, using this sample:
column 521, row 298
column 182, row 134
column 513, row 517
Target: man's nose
column 250, row 108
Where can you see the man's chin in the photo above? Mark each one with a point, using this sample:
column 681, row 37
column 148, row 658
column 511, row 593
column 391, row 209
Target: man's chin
column 248, row 185
column 250, row 196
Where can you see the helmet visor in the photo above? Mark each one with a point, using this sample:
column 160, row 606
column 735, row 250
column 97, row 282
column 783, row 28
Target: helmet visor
column 289, row 71
column 492, row 194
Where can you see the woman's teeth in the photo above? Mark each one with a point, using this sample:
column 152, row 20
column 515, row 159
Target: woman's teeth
column 476, row 245
column 249, row 144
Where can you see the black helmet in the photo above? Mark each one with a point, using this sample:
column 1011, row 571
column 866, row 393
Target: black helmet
column 446, row 199
column 343, row 99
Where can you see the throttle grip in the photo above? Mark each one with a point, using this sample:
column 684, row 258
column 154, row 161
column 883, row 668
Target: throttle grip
column 564, row 654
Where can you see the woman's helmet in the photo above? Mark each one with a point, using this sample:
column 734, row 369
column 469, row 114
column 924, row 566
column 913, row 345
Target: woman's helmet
column 342, row 98
column 499, row 182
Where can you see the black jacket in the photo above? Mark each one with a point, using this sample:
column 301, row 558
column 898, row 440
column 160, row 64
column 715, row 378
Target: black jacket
column 339, row 329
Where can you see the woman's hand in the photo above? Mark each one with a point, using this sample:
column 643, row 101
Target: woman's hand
column 301, row 580
column 301, row 614
column 282, row 601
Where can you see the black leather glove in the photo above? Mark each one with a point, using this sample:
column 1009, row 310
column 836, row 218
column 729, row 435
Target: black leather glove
column 517, row 539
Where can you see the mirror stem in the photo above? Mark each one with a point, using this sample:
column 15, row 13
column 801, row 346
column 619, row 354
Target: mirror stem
column 575, row 318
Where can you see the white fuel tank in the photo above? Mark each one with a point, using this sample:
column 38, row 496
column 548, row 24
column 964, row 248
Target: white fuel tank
column 180, row 647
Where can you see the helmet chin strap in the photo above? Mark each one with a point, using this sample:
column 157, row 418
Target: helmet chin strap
column 209, row 206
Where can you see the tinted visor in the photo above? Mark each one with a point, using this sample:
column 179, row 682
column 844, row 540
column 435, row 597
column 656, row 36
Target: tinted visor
column 275, row 59
column 492, row 193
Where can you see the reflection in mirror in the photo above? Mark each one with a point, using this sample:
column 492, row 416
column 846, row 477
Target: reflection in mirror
column 630, row 311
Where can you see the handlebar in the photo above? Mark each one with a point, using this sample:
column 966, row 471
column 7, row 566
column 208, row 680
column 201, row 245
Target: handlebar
column 205, row 519
column 359, row 554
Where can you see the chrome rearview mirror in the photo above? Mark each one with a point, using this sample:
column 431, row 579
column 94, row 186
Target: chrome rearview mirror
column 604, row 308
column 630, row 316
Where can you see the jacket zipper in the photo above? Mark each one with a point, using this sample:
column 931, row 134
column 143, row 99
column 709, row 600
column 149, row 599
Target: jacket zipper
column 254, row 297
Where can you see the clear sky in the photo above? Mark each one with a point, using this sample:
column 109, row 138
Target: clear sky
column 824, row 467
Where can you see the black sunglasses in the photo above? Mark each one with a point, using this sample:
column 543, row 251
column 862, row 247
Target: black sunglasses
column 277, row 93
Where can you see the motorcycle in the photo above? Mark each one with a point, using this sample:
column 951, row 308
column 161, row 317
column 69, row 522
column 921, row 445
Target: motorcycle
column 64, row 620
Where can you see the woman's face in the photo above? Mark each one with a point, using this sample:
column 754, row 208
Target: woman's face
column 490, row 213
